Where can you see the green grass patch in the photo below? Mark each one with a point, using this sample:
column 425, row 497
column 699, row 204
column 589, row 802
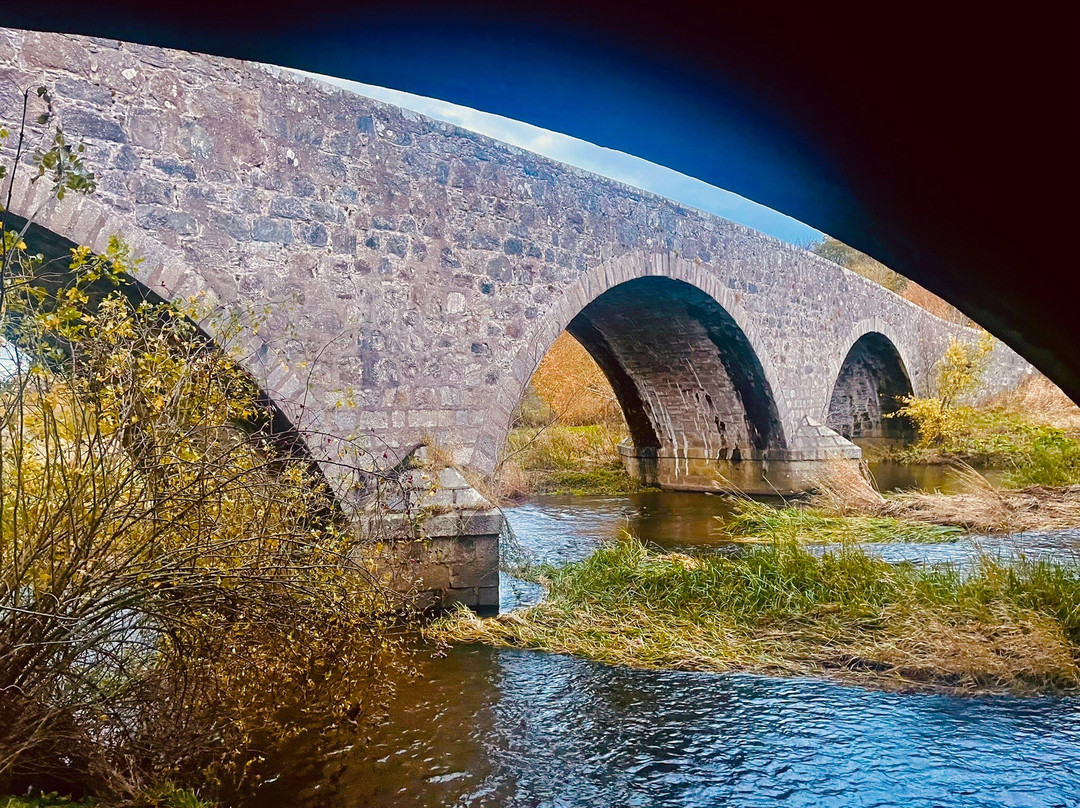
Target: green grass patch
column 752, row 521
column 558, row 447
column 601, row 480
column 778, row 608
column 165, row 795
column 45, row 801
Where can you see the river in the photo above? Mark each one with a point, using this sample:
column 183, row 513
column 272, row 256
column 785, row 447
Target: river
column 485, row 727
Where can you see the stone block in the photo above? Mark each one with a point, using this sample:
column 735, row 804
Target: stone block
column 440, row 525
column 465, row 577
column 287, row 207
column 466, row 597
column 470, row 498
column 278, row 231
column 435, row 576
column 450, row 477
column 482, row 523
column 158, row 217
column 487, row 551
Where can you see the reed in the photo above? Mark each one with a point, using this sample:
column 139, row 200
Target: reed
column 753, row 521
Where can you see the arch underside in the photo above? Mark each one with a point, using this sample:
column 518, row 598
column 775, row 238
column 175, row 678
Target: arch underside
column 872, row 378
column 55, row 273
column 688, row 380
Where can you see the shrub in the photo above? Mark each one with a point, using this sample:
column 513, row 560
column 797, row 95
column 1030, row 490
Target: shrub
column 176, row 595
column 940, row 418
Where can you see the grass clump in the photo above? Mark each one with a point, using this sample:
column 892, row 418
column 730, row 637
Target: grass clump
column 166, row 795
column 779, row 609
column 753, row 521
column 841, row 490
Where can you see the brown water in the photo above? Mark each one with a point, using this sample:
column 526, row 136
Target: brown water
column 892, row 476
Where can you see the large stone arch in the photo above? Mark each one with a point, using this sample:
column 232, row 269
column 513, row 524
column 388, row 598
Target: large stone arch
column 872, row 377
column 54, row 227
column 680, row 354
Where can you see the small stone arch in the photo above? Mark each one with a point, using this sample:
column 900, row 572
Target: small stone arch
column 865, row 394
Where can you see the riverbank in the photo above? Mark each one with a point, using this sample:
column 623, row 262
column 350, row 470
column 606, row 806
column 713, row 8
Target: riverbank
column 1031, row 433
column 781, row 609
column 560, row 459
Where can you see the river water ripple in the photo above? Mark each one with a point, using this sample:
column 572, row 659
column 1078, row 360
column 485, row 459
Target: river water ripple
column 530, row 729
column 526, row 729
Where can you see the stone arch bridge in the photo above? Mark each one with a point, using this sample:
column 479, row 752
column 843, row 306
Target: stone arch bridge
column 416, row 273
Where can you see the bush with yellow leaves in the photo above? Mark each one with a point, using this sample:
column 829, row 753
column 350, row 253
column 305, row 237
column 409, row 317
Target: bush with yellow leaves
column 941, row 418
column 176, row 595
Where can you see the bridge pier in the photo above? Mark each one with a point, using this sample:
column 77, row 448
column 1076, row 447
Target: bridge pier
column 430, row 536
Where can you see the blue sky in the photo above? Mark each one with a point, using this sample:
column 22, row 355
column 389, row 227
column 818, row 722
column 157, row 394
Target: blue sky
column 606, row 162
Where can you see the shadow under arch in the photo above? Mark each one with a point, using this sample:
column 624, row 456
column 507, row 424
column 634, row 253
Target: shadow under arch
column 695, row 396
column 272, row 422
column 871, row 379
column 682, row 369
column 770, row 416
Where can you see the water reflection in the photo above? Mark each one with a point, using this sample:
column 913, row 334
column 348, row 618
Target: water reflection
column 892, row 476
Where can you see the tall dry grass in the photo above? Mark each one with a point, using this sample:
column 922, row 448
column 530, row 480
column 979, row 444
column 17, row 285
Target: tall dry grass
column 841, row 490
column 1041, row 402
column 566, row 431
column 555, row 459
